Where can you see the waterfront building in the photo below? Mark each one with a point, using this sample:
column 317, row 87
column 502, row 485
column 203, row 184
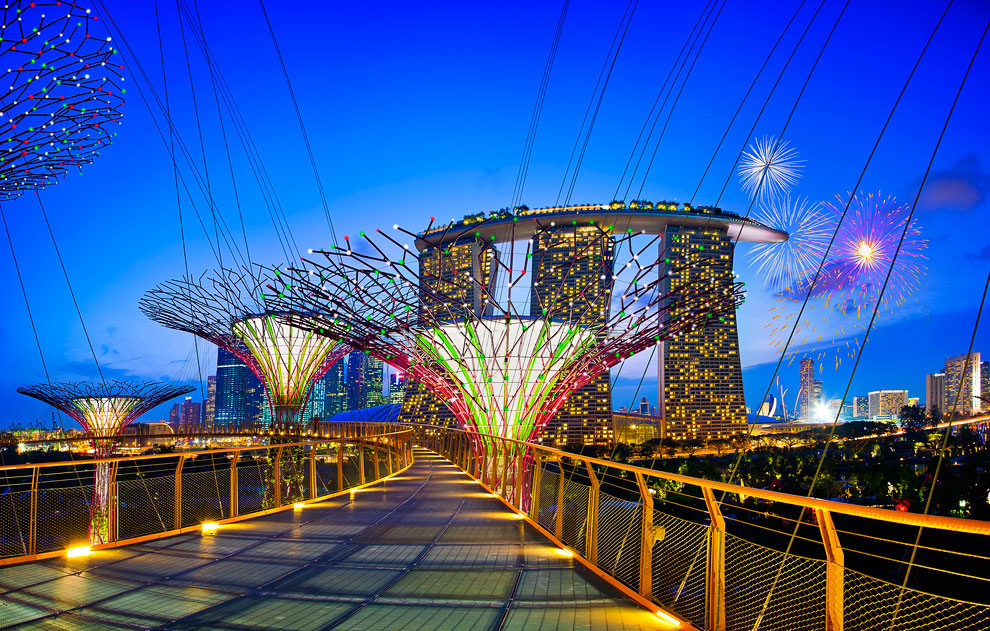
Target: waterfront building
column 807, row 375
column 962, row 385
column 887, row 404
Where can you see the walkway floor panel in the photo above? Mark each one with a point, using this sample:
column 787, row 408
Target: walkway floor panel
column 425, row 550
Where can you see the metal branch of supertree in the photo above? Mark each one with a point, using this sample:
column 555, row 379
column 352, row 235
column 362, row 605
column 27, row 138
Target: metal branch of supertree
column 225, row 308
column 455, row 322
column 104, row 409
column 64, row 93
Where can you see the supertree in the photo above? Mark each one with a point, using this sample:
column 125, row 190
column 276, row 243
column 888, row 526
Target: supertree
column 769, row 169
column 227, row 308
column 104, row 409
column 63, row 93
column 502, row 366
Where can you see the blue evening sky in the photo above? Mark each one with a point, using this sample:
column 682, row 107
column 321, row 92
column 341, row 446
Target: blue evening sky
column 421, row 109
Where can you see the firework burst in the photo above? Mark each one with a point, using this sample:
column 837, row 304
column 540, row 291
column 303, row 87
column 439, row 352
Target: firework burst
column 792, row 262
column 769, row 169
column 864, row 250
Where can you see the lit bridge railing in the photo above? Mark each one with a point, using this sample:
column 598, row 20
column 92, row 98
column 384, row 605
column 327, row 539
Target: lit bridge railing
column 722, row 556
column 47, row 508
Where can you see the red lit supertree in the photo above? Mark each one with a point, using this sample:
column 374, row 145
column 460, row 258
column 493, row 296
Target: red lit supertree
column 503, row 334
column 60, row 96
column 104, row 409
column 227, row 309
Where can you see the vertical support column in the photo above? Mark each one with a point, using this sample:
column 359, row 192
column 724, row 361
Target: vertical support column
column 534, row 504
column 234, row 508
column 278, row 477
column 648, row 537
column 312, row 471
column 177, row 514
column 32, row 546
column 360, row 447
column 715, row 567
column 114, row 509
column 505, row 469
column 374, row 454
column 340, row 465
column 388, row 457
column 594, row 501
column 834, row 571
column 558, row 529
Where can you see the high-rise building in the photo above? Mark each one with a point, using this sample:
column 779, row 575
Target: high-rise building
column 702, row 375
column 807, row 369
column 817, row 394
column 374, row 370
column 644, row 406
column 335, row 391
column 210, row 405
column 962, row 384
column 985, row 383
column 189, row 415
column 240, row 395
column 173, row 415
column 934, row 391
column 364, row 381
column 861, row 407
column 574, row 266
column 887, row 404
column 396, row 388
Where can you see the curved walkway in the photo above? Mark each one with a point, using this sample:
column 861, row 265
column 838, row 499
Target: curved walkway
column 425, row 550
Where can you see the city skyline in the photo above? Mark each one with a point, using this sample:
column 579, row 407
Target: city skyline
column 466, row 181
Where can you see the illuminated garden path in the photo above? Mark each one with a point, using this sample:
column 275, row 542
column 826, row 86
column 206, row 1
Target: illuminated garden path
column 425, row 550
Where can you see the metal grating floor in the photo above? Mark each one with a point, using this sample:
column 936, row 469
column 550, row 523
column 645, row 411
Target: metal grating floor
column 425, row 550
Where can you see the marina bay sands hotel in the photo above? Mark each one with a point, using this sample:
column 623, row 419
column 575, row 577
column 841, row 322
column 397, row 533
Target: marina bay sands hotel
column 699, row 372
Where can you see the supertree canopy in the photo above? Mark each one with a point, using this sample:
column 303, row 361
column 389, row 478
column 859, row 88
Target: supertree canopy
column 226, row 308
column 63, row 93
column 455, row 315
column 104, row 409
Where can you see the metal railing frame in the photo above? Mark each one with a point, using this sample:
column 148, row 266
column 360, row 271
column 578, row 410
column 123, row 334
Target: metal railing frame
column 455, row 444
column 378, row 437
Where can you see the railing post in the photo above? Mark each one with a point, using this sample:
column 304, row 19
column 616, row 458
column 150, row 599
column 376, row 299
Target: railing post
column 649, row 535
column 388, row 452
column 234, row 508
column 834, row 571
column 312, row 471
column 715, row 567
column 520, row 474
column 591, row 532
column 278, row 477
column 558, row 528
column 505, row 469
column 32, row 547
column 360, row 447
column 534, row 504
column 374, row 455
column 177, row 514
column 340, row 465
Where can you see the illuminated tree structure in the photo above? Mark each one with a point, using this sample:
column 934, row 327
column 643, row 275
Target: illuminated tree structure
column 505, row 338
column 227, row 308
column 103, row 410
column 60, row 96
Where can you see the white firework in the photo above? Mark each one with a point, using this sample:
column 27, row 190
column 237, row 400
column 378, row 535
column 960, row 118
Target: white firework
column 769, row 169
column 788, row 265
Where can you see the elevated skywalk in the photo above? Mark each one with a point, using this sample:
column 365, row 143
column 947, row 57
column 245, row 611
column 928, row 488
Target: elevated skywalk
column 424, row 550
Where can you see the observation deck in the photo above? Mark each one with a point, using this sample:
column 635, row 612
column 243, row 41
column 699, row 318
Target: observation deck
column 426, row 549
column 636, row 217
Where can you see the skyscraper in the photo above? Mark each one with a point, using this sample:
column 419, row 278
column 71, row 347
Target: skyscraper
column 334, row 388
column 934, row 391
column 240, row 398
column 364, row 381
column 210, row 405
column 189, row 415
column 807, row 385
column 962, row 384
column 861, row 407
column 702, row 375
column 574, row 266
column 817, row 394
column 644, row 406
column 887, row 403
column 173, row 415
column 985, row 382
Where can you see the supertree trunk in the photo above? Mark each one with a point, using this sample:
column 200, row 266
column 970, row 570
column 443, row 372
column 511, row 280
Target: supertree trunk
column 101, row 509
column 285, row 477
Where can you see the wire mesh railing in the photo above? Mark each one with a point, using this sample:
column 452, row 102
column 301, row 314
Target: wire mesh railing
column 729, row 557
column 50, row 507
